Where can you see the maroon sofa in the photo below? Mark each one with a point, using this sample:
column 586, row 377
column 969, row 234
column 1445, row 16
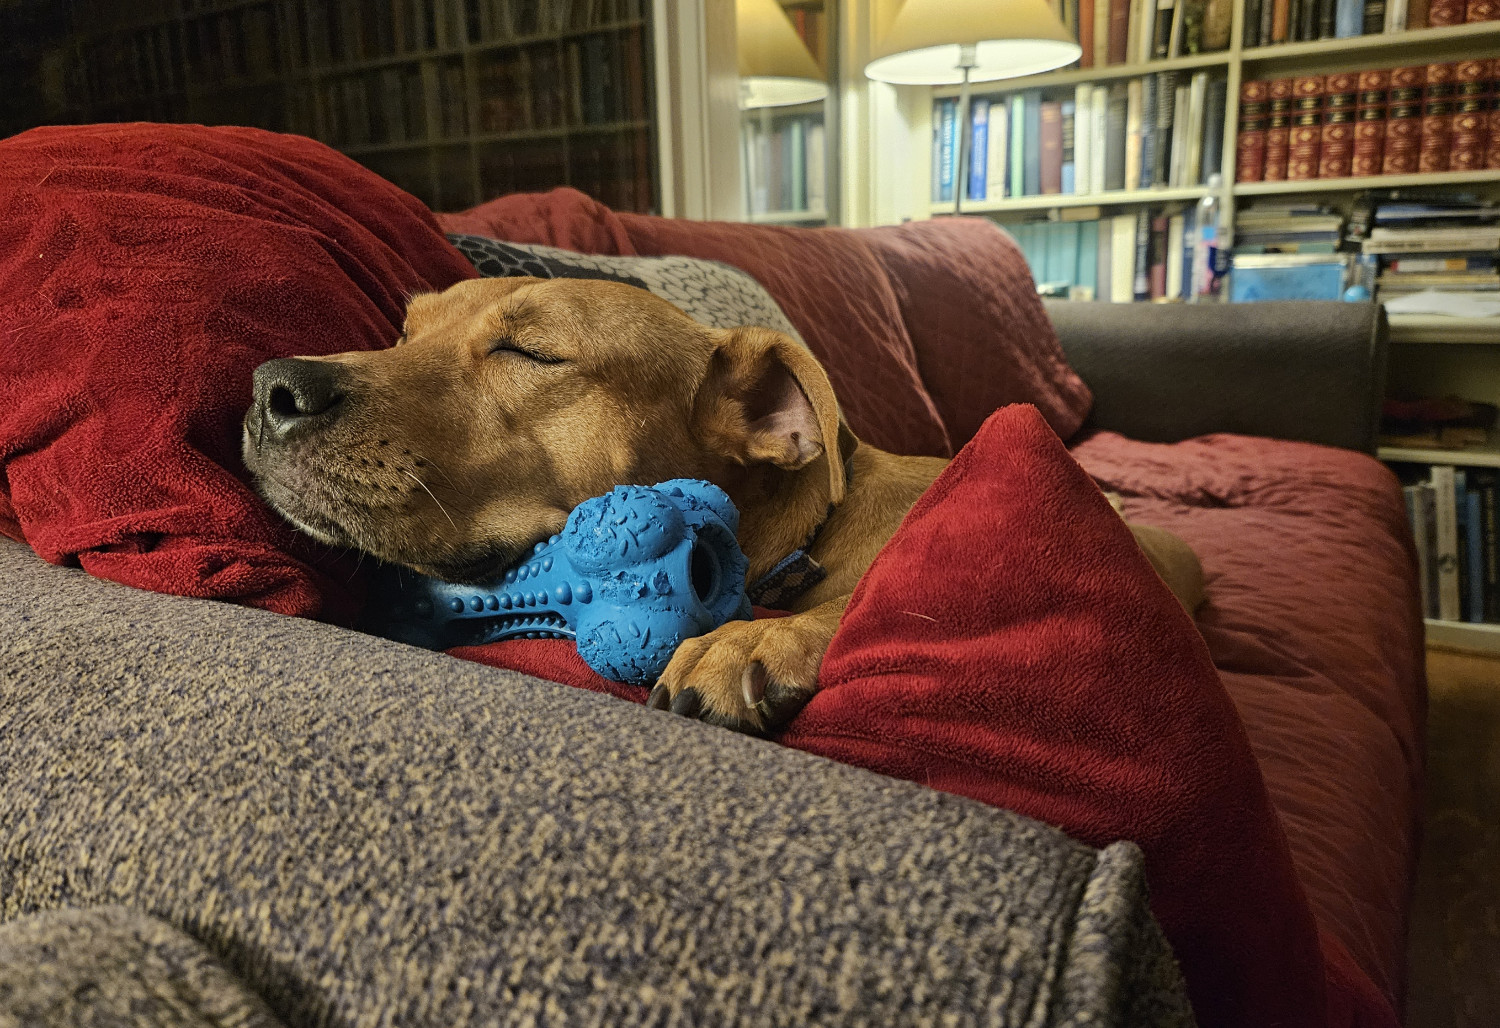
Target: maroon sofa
column 147, row 269
column 1247, row 430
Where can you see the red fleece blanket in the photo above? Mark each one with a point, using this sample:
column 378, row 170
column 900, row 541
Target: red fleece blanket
column 145, row 271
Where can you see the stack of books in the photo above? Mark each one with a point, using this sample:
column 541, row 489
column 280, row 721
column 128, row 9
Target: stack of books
column 1145, row 255
column 1288, row 228
column 1385, row 121
column 1137, row 31
column 1449, row 245
column 786, row 167
column 1453, row 518
column 1161, row 130
column 1291, row 21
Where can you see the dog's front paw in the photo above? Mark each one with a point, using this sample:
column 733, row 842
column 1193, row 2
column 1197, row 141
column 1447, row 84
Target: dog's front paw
column 751, row 676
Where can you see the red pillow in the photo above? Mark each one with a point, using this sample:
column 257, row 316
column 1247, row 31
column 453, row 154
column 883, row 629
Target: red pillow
column 1049, row 671
column 145, row 270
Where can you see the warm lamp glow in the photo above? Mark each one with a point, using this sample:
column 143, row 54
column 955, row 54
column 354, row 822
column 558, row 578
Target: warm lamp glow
column 776, row 68
column 1009, row 38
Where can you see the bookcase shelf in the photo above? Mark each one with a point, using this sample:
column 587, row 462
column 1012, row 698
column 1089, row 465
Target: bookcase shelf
column 1437, row 329
column 1073, row 76
column 1463, row 635
column 1473, row 457
column 1354, row 185
column 1417, row 43
column 1047, row 201
column 788, row 217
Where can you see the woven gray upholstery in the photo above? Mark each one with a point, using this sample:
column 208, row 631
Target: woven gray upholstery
column 364, row 833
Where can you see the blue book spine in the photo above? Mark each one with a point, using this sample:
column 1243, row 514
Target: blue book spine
column 1032, row 174
column 1474, row 528
column 945, row 167
column 979, row 149
column 1070, row 149
column 1349, row 19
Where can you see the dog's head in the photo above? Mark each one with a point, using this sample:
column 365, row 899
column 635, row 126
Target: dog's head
column 507, row 402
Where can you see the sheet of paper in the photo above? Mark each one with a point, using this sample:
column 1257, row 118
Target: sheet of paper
column 1457, row 305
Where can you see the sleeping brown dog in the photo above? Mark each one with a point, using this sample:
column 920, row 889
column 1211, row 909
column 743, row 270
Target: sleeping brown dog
column 507, row 402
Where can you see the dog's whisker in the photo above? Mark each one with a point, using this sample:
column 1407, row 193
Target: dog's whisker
column 435, row 500
column 446, row 477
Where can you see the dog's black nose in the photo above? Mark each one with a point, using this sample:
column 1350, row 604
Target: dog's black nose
column 293, row 396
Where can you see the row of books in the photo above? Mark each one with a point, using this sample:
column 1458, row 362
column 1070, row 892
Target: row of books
column 1453, row 518
column 341, row 31
column 786, row 166
column 597, row 79
column 614, row 169
column 1290, row 21
column 1137, row 31
column 1158, row 130
column 1385, row 121
column 386, row 106
column 1144, row 255
column 239, row 45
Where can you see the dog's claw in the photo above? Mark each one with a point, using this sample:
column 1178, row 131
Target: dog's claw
column 753, row 683
column 660, row 698
column 687, row 703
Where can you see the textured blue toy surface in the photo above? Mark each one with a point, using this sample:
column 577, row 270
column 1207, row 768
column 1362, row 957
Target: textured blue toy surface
column 633, row 574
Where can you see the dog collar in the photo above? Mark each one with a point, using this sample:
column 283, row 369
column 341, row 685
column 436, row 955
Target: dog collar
column 797, row 572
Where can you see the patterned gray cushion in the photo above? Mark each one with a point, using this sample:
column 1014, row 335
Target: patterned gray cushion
column 714, row 294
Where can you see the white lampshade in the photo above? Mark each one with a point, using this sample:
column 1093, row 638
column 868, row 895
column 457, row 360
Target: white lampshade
column 1010, row 38
column 776, row 68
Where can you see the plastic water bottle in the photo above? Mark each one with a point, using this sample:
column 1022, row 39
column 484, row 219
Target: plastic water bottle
column 1206, row 259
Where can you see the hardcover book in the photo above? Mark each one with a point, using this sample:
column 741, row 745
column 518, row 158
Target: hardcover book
column 1114, row 153
column 1050, row 160
column 1083, row 139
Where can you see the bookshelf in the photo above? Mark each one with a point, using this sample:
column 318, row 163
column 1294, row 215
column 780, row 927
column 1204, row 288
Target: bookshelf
column 455, row 101
column 1237, row 63
column 1430, row 355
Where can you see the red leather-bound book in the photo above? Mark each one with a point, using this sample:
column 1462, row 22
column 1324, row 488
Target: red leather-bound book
column 1250, row 143
column 1434, row 153
column 1306, row 143
column 1336, row 156
column 1445, row 12
column 1482, row 10
column 1369, row 141
column 1470, row 129
column 1279, row 130
column 1403, row 139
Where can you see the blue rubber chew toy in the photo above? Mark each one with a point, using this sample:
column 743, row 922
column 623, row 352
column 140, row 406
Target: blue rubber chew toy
column 633, row 574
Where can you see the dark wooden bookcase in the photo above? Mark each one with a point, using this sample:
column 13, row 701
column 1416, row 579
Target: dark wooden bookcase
column 455, row 101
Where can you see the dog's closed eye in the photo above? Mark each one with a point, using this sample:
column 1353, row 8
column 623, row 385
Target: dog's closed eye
column 507, row 345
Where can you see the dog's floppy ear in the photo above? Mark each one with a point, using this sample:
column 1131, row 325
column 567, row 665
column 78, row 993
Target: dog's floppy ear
column 767, row 400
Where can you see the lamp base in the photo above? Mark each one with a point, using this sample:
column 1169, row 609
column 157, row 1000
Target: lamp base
column 968, row 60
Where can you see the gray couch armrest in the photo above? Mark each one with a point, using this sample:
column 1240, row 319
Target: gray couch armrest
column 1313, row 372
column 367, row 833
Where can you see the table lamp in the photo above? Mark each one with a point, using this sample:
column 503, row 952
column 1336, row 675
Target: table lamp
column 957, row 42
column 776, row 68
